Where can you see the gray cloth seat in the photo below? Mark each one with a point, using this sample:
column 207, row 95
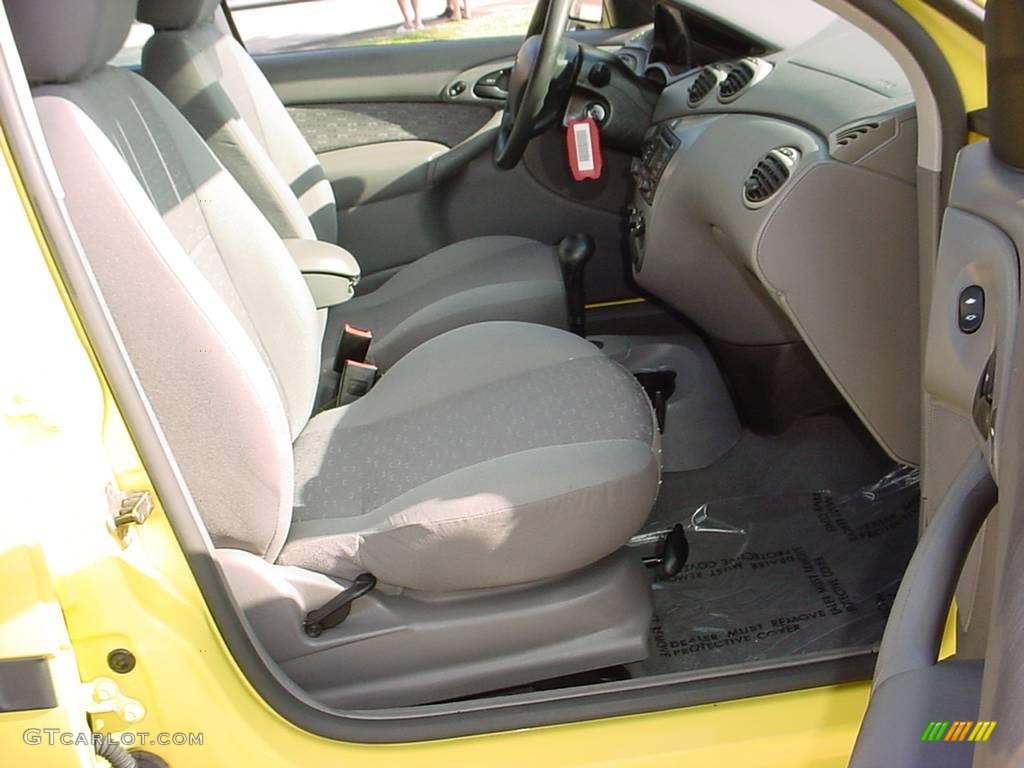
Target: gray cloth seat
column 215, row 83
column 496, row 454
column 443, row 291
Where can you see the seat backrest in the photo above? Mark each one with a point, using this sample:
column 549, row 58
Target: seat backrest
column 212, row 79
column 215, row 317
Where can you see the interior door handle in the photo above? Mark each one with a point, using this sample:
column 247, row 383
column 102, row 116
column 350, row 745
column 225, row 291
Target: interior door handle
column 493, row 85
column 984, row 411
column 490, row 92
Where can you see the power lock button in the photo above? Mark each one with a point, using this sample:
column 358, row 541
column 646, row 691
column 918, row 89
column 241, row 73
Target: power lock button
column 971, row 309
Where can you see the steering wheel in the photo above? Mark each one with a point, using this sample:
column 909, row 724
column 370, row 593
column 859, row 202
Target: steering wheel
column 545, row 68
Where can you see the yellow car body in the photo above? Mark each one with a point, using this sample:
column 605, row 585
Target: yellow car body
column 74, row 589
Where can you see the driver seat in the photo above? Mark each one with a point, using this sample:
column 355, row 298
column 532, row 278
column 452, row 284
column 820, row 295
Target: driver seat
column 214, row 82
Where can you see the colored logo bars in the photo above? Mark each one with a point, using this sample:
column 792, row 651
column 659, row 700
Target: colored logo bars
column 959, row 730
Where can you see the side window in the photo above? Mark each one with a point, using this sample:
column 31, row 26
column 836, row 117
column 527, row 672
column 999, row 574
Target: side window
column 130, row 54
column 587, row 11
column 295, row 25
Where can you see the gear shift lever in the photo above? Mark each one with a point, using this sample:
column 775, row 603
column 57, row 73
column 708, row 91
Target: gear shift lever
column 574, row 251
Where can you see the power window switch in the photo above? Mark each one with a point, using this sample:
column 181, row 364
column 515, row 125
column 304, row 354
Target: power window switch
column 971, row 309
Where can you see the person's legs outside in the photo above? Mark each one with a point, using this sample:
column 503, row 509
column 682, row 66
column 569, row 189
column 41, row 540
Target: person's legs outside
column 411, row 16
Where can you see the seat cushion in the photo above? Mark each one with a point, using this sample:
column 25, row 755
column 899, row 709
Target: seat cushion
column 495, row 454
column 484, row 278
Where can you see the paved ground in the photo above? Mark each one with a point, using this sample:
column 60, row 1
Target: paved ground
column 326, row 23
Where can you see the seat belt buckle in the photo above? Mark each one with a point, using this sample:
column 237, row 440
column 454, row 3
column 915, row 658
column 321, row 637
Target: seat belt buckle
column 354, row 345
column 356, row 380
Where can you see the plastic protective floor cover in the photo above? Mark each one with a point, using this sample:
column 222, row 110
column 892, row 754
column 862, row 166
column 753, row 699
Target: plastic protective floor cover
column 771, row 577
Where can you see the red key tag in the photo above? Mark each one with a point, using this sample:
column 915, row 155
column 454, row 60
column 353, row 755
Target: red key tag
column 583, row 141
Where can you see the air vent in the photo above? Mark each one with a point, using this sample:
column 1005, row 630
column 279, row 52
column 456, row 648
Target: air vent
column 702, row 85
column 852, row 143
column 769, row 175
column 656, row 74
column 739, row 77
column 742, row 75
column 629, row 60
column 850, row 135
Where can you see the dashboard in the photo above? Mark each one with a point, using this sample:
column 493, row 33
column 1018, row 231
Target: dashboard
column 775, row 194
column 682, row 39
column 686, row 36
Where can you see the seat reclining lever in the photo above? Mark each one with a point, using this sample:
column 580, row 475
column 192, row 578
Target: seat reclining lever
column 672, row 555
column 337, row 609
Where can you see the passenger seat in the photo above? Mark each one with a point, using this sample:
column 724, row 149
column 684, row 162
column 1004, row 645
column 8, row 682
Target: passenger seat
column 220, row 89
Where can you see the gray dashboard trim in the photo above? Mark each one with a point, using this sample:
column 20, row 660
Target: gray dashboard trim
column 822, row 71
column 840, row 256
column 791, row 23
column 940, row 104
column 698, row 225
column 808, row 86
column 802, row 265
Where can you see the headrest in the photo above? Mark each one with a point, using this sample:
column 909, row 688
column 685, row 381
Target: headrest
column 61, row 41
column 175, row 14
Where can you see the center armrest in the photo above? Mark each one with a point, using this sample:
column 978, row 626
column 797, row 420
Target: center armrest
column 331, row 272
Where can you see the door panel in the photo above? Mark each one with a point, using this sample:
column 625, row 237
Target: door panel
column 353, row 124
column 408, row 72
column 982, row 232
column 485, row 83
column 973, row 423
column 373, row 172
column 1002, row 694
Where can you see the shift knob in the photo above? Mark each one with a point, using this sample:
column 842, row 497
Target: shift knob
column 574, row 251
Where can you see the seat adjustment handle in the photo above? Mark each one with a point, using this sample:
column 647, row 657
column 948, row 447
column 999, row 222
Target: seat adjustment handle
column 673, row 554
column 337, row 609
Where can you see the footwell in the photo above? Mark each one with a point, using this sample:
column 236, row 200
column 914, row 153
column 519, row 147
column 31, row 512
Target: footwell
column 775, row 577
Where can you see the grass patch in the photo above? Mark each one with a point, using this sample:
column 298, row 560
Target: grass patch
column 499, row 23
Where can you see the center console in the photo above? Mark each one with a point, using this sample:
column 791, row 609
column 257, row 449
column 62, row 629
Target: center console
column 696, row 417
column 659, row 144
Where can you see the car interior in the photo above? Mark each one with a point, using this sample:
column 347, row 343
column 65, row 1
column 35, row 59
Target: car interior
column 659, row 426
